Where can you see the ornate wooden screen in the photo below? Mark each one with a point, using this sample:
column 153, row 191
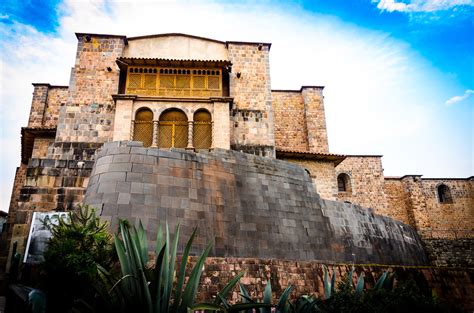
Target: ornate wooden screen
column 202, row 130
column 143, row 127
column 173, row 130
column 174, row 82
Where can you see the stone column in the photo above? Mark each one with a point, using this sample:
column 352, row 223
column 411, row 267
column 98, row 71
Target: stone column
column 212, row 134
column 221, row 125
column 123, row 129
column 132, row 128
column 190, row 135
column 155, row 134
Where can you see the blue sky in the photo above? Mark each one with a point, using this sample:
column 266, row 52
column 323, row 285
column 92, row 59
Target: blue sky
column 399, row 75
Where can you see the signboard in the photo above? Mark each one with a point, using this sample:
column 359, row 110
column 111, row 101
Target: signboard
column 40, row 234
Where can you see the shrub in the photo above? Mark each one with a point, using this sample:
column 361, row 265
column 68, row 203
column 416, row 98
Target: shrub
column 78, row 246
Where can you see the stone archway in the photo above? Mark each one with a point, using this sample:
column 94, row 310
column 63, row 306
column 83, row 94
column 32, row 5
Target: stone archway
column 173, row 129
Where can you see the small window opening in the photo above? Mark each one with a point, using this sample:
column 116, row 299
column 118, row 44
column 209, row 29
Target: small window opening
column 343, row 183
column 444, row 194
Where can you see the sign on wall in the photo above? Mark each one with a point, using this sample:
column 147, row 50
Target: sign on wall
column 40, row 234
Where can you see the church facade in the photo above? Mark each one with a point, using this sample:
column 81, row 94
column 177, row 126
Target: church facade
column 182, row 92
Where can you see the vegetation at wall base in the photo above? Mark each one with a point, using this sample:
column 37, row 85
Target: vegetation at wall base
column 78, row 246
column 384, row 297
column 85, row 275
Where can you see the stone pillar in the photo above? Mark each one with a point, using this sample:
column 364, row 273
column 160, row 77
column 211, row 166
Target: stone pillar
column 315, row 118
column 190, row 135
column 122, row 128
column 155, row 134
column 221, row 125
column 212, row 134
column 416, row 204
column 38, row 105
column 132, row 128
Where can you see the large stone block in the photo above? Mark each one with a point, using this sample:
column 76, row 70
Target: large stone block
column 256, row 206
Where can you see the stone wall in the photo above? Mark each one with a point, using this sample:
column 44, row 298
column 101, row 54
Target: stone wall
column 57, row 97
column 15, row 227
column 291, row 132
column 56, row 182
column 89, row 113
column 45, row 105
column 251, row 206
column 396, row 196
column 38, row 104
column 450, row 252
column 40, row 147
column 458, row 215
column 249, row 132
column 300, row 122
column 323, row 175
column 415, row 200
column 453, row 285
column 366, row 182
column 250, row 87
column 315, row 119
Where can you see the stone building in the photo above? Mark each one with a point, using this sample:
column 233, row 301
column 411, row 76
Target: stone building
column 194, row 95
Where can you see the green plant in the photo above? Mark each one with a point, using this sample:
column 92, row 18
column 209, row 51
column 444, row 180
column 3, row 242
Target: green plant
column 151, row 289
column 78, row 246
column 384, row 297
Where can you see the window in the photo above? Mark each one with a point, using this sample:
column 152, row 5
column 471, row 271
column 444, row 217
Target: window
column 143, row 127
column 174, row 82
column 343, row 183
column 173, row 129
column 444, row 194
column 202, row 130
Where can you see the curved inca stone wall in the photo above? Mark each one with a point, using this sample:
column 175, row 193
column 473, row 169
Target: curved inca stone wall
column 250, row 206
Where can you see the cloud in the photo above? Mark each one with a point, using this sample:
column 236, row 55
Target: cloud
column 456, row 99
column 378, row 93
column 420, row 5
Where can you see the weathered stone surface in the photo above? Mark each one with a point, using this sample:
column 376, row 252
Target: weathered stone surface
column 250, row 206
column 453, row 285
column 450, row 252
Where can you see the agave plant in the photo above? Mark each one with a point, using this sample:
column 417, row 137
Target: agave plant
column 151, row 289
column 248, row 304
column 329, row 285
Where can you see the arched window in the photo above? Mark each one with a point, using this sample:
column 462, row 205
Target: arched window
column 143, row 127
column 444, row 194
column 343, row 183
column 202, row 130
column 173, row 129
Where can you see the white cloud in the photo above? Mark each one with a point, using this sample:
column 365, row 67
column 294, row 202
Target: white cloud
column 456, row 99
column 420, row 5
column 379, row 94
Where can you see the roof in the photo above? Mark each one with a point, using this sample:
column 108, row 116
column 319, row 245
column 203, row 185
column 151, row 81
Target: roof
column 428, row 178
column 175, row 34
column 365, row 155
column 28, row 135
column 102, row 35
column 126, row 39
column 123, row 62
column 298, row 90
column 295, row 154
column 49, row 85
